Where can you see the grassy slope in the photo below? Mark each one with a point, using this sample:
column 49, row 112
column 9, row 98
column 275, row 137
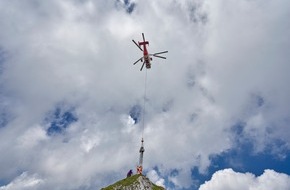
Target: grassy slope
column 129, row 181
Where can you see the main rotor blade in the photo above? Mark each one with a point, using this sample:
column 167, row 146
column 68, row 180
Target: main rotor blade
column 143, row 37
column 159, row 56
column 137, row 45
column 138, row 61
column 142, row 66
column 161, row 52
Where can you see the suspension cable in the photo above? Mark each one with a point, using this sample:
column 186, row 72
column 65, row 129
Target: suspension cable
column 144, row 103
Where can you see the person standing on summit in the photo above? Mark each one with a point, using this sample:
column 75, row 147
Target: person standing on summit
column 130, row 172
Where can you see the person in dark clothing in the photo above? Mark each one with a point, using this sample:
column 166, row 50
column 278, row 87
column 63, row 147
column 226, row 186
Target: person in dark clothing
column 130, row 172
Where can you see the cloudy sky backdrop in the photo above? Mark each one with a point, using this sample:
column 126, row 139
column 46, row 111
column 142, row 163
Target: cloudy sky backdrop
column 217, row 110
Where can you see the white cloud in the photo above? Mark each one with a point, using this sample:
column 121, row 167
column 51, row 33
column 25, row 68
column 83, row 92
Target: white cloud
column 182, row 179
column 24, row 181
column 155, row 178
column 32, row 137
column 228, row 179
column 79, row 54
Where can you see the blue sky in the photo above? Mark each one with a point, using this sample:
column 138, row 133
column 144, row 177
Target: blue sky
column 217, row 109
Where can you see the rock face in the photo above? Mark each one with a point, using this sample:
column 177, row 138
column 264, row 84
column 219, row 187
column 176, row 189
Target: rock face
column 135, row 182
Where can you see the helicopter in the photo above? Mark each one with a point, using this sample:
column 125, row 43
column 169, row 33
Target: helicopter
column 147, row 58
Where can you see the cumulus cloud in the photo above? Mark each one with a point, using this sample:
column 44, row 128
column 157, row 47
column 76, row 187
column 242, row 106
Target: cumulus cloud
column 227, row 64
column 228, row 179
column 155, row 178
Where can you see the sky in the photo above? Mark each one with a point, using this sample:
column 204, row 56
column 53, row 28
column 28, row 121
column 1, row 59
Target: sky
column 216, row 110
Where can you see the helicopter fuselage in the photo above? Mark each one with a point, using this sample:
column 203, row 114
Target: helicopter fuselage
column 146, row 55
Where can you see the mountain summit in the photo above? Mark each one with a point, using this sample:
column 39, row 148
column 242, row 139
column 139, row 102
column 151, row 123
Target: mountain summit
column 135, row 182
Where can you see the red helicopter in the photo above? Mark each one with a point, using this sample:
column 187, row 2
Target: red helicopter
column 146, row 56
